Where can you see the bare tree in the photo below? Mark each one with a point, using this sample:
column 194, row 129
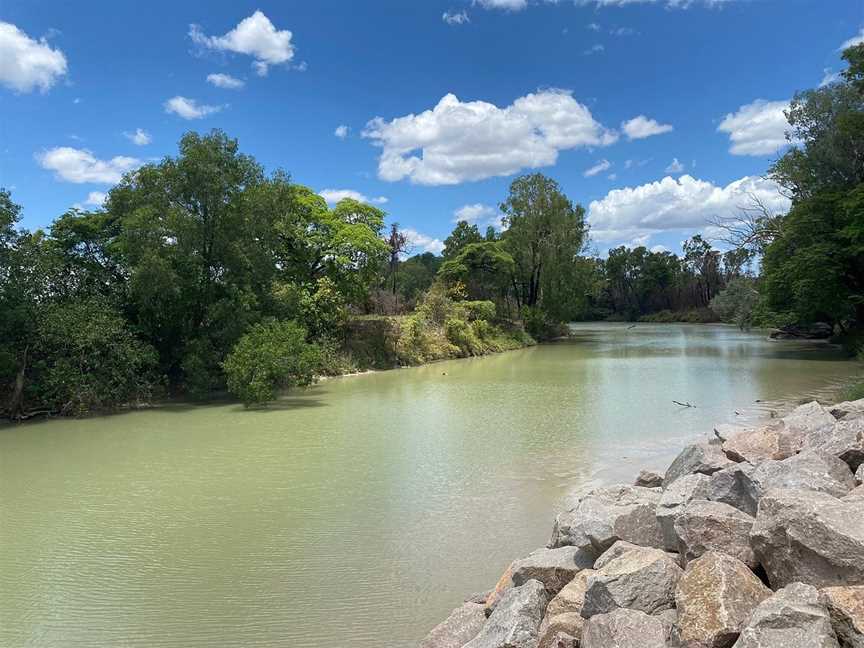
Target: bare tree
column 753, row 229
column 399, row 244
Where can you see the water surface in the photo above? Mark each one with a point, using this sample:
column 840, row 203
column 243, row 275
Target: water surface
column 359, row 512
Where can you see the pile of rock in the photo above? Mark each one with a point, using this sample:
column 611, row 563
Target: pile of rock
column 754, row 539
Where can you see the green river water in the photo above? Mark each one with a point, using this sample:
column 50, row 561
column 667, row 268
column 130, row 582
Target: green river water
column 359, row 512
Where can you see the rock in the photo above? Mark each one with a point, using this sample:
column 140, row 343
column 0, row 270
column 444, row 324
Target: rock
column 459, row 628
column 859, row 474
column 734, row 486
column 672, row 503
column 855, row 495
column 844, row 440
column 552, row 567
column 607, row 515
column 811, row 537
column 639, row 579
column 771, row 441
column 809, row 469
column 705, row 458
column 715, row 598
column 792, row 618
column 504, row 583
column 713, row 526
column 564, row 612
column 809, row 418
column 558, row 640
column 846, row 608
column 842, row 411
column 478, row 597
column 515, row 622
column 614, row 552
column 624, row 629
column 649, row 479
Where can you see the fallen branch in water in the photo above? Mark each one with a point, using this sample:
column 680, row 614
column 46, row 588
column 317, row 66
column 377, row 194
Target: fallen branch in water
column 683, row 404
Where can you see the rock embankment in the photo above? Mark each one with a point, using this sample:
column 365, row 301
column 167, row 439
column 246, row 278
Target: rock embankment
column 754, row 539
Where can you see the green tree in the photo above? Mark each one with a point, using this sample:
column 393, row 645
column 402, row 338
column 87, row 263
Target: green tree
column 737, row 303
column 463, row 234
column 272, row 355
column 485, row 268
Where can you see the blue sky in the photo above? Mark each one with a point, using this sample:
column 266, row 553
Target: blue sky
column 656, row 115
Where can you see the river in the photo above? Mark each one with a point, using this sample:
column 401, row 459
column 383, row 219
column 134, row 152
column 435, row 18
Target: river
column 359, row 512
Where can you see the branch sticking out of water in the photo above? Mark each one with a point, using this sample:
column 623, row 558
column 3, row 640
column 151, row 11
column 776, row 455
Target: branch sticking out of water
column 683, row 404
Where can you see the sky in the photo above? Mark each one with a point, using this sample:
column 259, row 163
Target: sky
column 657, row 116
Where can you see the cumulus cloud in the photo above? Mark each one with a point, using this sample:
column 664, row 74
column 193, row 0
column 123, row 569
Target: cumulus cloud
column 476, row 213
column 455, row 18
column 225, row 81
column 507, row 5
column 96, row 198
column 460, row 141
column 27, row 64
column 140, row 137
column 422, row 242
column 341, row 131
column 685, row 203
column 333, row 196
column 80, row 165
column 675, row 166
column 641, row 127
column 829, row 77
column 255, row 36
column 189, row 108
column 600, row 167
column 855, row 40
column 757, row 128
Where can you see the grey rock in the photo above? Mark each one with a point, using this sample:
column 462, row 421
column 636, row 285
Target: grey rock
column 842, row 411
column 478, row 597
column 558, row 639
column 809, row 418
column 613, row 552
column 515, row 622
column 809, row 537
column 624, row 629
column 640, row 579
column 553, row 567
column 793, row 618
column 505, row 582
column 859, row 474
column 607, row 515
column 855, row 495
column 713, row 526
column 705, row 458
column 649, row 479
column 715, row 598
column 672, row 503
column 844, row 440
column 774, row 440
column 846, row 608
column 459, row 628
column 564, row 612
column 734, row 486
column 810, row 469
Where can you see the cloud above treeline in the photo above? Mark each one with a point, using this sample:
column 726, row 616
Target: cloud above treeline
column 27, row 64
column 757, row 128
column 80, row 165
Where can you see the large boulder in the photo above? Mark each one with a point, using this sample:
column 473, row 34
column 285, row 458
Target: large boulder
column 809, row 418
column 844, row 440
column 859, row 474
column 734, row 486
column 810, row 469
column 649, row 479
column 552, row 567
column 505, row 582
column 515, row 622
column 706, row 526
column 771, row 441
column 715, row 598
column 792, row 618
column 564, row 612
column 855, row 495
column 624, row 629
column 811, row 537
column 456, row 630
column 642, row 578
column 607, row 515
column 847, row 410
column 704, row 458
column 672, row 503
column 846, row 607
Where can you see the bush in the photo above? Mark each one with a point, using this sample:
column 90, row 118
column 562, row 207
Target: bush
column 272, row 355
column 737, row 302
column 540, row 326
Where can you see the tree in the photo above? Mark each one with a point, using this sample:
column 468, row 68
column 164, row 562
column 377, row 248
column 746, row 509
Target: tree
column 397, row 245
column 272, row 355
column 485, row 268
column 463, row 234
column 737, row 302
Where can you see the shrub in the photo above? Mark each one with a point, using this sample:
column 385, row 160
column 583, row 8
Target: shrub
column 272, row 355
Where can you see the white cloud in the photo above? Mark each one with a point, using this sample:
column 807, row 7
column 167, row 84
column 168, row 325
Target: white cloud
column 225, row 81
column 189, row 108
column 670, row 4
column 333, row 196
column 600, row 167
column 622, row 31
column 80, row 165
column 255, row 36
column 855, row 40
column 657, row 249
column 140, row 137
column 685, row 203
column 96, row 198
column 455, row 18
column 476, row 213
column 342, row 131
column 594, row 49
column 829, row 77
column 460, row 141
column 758, row 128
column 27, row 64
column 641, row 127
column 675, row 166
column 423, row 242
column 507, row 5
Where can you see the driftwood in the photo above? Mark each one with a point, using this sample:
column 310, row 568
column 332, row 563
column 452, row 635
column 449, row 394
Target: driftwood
column 683, row 404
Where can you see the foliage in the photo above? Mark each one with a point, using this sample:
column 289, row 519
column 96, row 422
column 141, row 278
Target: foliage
column 463, row 234
column 272, row 355
column 737, row 302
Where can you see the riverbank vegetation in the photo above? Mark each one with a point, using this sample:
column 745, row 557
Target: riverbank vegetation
column 202, row 272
